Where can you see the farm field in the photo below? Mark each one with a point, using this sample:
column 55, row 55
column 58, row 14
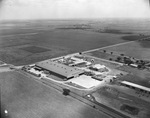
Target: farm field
column 56, row 43
column 49, row 35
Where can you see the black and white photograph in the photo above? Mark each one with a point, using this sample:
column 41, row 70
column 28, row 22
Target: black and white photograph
column 75, row 58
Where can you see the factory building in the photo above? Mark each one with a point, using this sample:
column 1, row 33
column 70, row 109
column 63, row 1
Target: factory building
column 60, row 69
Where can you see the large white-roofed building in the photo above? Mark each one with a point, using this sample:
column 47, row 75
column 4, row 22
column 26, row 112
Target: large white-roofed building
column 86, row 81
column 60, row 69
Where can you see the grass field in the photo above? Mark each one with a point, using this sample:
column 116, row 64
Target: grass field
column 25, row 98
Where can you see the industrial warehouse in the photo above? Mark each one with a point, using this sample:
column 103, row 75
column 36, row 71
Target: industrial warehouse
column 60, row 69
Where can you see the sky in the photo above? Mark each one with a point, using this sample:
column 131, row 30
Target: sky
column 66, row 9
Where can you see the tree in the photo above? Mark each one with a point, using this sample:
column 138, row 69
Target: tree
column 80, row 53
column 137, row 61
column 66, row 92
column 110, row 59
column 104, row 51
column 127, row 61
column 125, row 58
column 118, row 58
column 94, row 106
column 139, row 66
column 141, row 61
column 111, row 53
column 121, row 54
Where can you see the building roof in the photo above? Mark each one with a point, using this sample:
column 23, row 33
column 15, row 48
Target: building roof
column 78, row 61
column 85, row 81
column 59, row 68
column 34, row 71
column 135, row 79
column 136, row 85
column 98, row 66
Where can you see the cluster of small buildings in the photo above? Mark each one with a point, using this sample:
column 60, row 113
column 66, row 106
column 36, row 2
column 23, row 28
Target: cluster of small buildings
column 88, row 66
column 34, row 70
column 133, row 62
column 74, row 61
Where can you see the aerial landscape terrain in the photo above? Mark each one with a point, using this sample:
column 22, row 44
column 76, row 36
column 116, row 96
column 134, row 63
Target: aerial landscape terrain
column 79, row 68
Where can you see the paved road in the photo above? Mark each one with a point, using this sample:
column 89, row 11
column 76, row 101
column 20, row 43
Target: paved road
column 114, row 45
